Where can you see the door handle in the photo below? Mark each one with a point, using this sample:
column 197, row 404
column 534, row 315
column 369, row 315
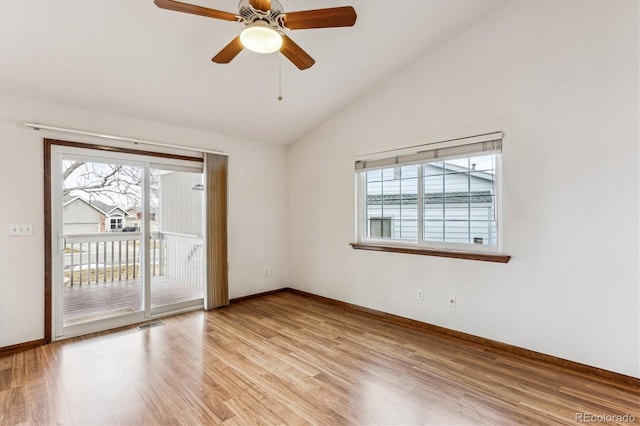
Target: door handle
column 64, row 243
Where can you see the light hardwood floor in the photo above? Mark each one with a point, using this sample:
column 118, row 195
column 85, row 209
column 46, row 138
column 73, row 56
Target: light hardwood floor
column 290, row 359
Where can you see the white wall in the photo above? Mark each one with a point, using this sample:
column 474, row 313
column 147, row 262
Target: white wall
column 257, row 177
column 560, row 78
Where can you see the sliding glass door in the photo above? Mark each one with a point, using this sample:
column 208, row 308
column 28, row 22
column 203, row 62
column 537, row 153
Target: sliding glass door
column 127, row 238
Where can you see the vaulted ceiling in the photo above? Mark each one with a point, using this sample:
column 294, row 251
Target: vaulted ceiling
column 129, row 57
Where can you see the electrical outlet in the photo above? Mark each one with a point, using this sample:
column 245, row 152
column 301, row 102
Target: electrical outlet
column 421, row 294
column 452, row 301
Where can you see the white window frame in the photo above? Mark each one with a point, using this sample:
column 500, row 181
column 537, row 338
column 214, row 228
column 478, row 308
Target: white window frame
column 116, row 217
column 413, row 154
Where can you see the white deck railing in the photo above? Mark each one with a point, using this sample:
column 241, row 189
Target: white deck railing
column 109, row 257
column 185, row 257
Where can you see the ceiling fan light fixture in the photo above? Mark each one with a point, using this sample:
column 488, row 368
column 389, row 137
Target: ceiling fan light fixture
column 259, row 37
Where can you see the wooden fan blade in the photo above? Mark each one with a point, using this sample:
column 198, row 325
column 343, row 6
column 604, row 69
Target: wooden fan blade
column 263, row 5
column 321, row 18
column 229, row 52
column 295, row 54
column 195, row 10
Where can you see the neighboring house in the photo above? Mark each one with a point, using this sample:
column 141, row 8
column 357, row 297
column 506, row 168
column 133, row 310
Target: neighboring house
column 81, row 217
column 133, row 220
column 464, row 212
column 116, row 219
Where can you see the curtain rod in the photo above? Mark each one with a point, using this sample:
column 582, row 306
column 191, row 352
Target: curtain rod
column 37, row 126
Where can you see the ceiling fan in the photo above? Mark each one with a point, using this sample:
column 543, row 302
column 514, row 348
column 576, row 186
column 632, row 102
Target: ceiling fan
column 265, row 25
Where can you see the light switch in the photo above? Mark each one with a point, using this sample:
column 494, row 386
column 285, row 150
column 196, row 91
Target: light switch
column 20, row 229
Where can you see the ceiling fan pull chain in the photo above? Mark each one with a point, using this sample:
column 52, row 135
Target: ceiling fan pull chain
column 279, row 77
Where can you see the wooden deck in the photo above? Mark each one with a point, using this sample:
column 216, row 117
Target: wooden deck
column 103, row 300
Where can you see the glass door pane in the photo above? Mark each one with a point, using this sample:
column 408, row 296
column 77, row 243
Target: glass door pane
column 176, row 250
column 102, row 240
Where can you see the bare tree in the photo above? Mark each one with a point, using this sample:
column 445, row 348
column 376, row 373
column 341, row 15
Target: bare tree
column 117, row 183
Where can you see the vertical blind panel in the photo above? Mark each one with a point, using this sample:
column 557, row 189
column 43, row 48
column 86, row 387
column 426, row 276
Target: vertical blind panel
column 216, row 175
column 426, row 153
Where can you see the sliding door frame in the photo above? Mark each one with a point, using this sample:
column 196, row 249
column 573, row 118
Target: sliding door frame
column 213, row 275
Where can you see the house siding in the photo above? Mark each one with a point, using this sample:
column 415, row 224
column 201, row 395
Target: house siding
column 79, row 217
column 392, row 195
column 181, row 205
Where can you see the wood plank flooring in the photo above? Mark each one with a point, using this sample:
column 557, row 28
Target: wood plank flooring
column 289, row 359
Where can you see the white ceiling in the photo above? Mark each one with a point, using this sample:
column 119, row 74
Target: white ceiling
column 131, row 58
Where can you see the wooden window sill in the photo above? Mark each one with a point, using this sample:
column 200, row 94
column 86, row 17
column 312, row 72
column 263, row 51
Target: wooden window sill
column 485, row 257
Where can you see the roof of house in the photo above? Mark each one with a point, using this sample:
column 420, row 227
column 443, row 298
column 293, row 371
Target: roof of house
column 104, row 208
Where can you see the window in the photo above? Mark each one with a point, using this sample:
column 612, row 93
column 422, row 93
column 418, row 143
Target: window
column 441, row 195
column 115, row 223
column 380, row 227
column 391, row 194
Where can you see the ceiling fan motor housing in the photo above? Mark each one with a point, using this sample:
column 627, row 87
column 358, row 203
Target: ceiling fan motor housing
column 273, row 17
